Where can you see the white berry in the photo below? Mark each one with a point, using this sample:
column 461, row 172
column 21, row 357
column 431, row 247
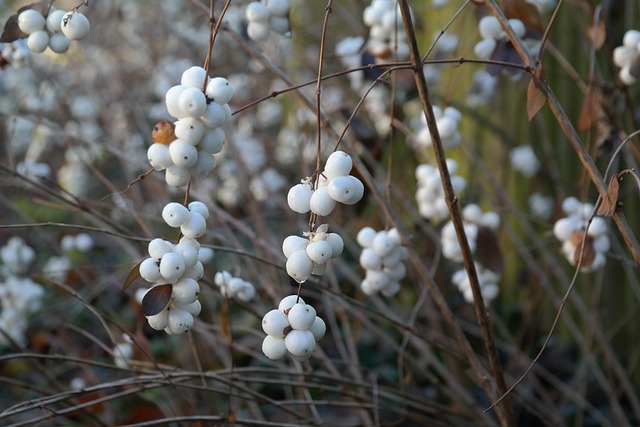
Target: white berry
column 274, row 323
column 300, row 343
column 75, row 25
column 175, row 214
column 301, row 316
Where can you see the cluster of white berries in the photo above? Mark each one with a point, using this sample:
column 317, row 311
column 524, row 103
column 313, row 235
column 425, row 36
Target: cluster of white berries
column 570, row 230
column 20, row 296
column 266, row 16
column 55, row 31
column 473, row 218
column 541, row 206
column 382, row 257
column 310, row 254
column 626, row 55
column 430, row 193
column 178, row 265
column 482, row 89
column 187, row 147
column 234, row 287
column 487, row 279
column 16, row 53
column 447, row 121
column 387, row 39
column 492, row 33
column 81, row 242
column 292, row 328
column 524, row 160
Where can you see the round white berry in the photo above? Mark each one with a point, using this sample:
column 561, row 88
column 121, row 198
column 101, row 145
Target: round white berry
column 321, row 202
column 213, row 116
column 219, row 90
column 318, row 328
column 346, row 189
column 180, row 320
column 194, row 77
column 199, row 207
column 75, row 25
column 293, row 244
column 278, row 7
column 299, row 197
column 257, row 12
column 518, row 27
column 396, row 272
column 300, row 343
column 338, row 164
column 365, row 237
column 194, row 308
column 378, row 279
column 38, row 41
column 171, row 266
column 183, row 154
column 175, row 214
column 564, row 228
column 158, row 247
column 598, row 227
column 192, row 102
column 158, row 156
column 30, row 21
column 212, row 141
column 150, row 270
column 185, row 291
column 196, row 272
column 188, row 252
column 369, row 260
column 631, row 38
column 59, row 43
column 190, row 130
column 489, row 27
column 274, row 348
column 54, row 21
column 275, row 323
column 159, row 321
column 301, row 316
column 382, row 244
column 484, row 48
column 392, row 288
column 280, row 24
column 177, row 176
column 258, row 30
column 337, row 244
column 247, row 293
column 319, row 252
column 289, row 301
column 172, row 98
column 195, row 226
column 299, row 266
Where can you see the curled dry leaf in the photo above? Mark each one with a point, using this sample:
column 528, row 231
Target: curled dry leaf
column 156, row 299
column 610, row 200
column 535, row 99
column 133, row 275
column 589, row 251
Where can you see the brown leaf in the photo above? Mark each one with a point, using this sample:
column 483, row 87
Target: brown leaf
column 156, row 299
column 589, row 252
column 133, row 275
column 588, row 114
column 11, row 30
column 535, row 99
column 488, row 251
column 597, row 35
column 610, row 200
column 524, row 11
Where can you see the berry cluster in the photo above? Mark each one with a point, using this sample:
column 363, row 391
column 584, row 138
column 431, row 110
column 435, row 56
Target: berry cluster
column 482, row 89
column 541, row 206
column 447, row 121
column 487, row 279
column 55, row 31
column 310, row 254
column 570, row 230
column 186, row 147
column 266, row 16
column 17, row 54
column 383, row 258
column 492, row 33
column 473, row 220
column 387, row 40
column 179, row 265
column 292, row 328
column 80, row 242
column 20, row 296
column 627, row 55
column 232, row 287
column 430, row 193
column 524, row 160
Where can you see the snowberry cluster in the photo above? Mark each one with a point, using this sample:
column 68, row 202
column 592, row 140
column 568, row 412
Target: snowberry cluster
column 570, row 230
column 231, row 287
column 16, row 53
column 447, row 121
column 473, row 219
column 524, row 160
column 626, row 55
column 482, row 88
column 493, row 35
column 55, row 31
column 186, row 147
column 487, row 279
column 541, row 206
column 178, row 265
column 292, row 328
column 430, row 193
column 266, row 16
column 387, row 39
column 80, row 242
column 20, row 296
column 383, row 258
column 310, row 254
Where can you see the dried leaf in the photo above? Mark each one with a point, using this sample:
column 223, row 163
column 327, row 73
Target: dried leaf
column 589, row 252
column 597, row 35
column 156, row 299
column 610, row 200
column 588, row 114
column 488, row 251
column 11, row 31
column 535, row 99
column 133, row 275
column 524, row 11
